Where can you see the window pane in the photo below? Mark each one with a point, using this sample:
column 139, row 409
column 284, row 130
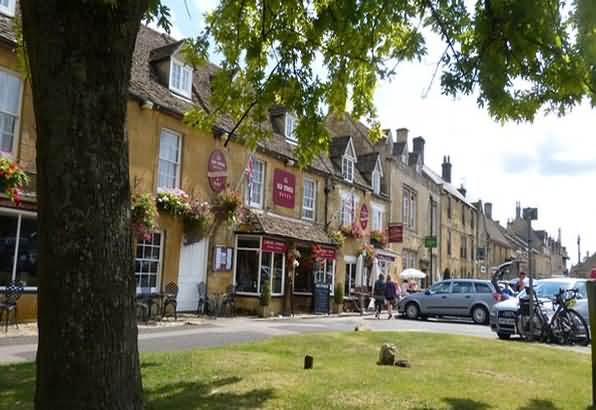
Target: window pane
column 442, row 287
column 247, row 271
column 147, row 261
column 28, row 253
column 278, row 272
column 10, row 87
column 7, row 130
column 8, row 237
column 249, row 242
column 266, row 270
column 482, row 288
column 304, row 271
column 462, row 287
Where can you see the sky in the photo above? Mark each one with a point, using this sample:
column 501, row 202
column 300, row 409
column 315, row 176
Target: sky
column 549, row 164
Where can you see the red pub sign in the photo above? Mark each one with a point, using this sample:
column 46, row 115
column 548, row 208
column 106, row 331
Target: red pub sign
column 273, row 245
column 217, row 171
column 364, row 216
column 396, row 233
column 284, row 188
column 326, row 253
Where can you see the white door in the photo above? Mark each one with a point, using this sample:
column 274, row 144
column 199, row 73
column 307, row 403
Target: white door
column 191, row 272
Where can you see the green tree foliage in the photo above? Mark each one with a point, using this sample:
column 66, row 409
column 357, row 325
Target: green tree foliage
column 317, row 57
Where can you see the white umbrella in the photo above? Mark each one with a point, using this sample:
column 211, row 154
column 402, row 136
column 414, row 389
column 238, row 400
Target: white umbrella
column 374, row 272
column 412, row 274
column 359, row 269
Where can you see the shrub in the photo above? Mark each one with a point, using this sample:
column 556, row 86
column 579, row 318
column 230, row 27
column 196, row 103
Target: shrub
column 143, row 214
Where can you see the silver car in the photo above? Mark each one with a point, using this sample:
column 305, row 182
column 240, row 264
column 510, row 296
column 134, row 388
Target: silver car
column 503, row 315
column 455, row 297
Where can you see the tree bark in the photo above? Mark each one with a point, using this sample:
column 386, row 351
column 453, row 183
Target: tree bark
column 80, row 56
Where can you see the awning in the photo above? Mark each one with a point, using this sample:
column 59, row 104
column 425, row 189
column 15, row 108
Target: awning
column 287, row 228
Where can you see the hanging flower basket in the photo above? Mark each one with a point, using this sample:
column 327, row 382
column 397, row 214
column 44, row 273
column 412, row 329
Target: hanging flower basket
column 175, row 202
column 352, row 231
column 337, row 237
column 143, row 214
column 197, row 221
column 368, row 251
column 378, row 238
column 227, row 206
column 12, row 179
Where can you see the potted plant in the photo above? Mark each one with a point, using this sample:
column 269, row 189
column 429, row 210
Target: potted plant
column 175, row 202
column 197, row 221
column 143, row 213
column 338, row 298
column 12, row 179
column 265, row 300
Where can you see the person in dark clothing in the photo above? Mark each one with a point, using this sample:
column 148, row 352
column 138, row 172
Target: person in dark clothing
column 379, row 295
column 390, row 295
column 446, row 274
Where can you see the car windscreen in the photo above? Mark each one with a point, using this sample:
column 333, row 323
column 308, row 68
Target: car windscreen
column 548, row 289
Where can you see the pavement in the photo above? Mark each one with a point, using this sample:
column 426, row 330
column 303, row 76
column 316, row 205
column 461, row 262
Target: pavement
column 221, row 332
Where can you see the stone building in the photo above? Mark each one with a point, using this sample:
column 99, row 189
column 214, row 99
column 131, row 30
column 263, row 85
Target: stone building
column 494, row 248
column 585, row 268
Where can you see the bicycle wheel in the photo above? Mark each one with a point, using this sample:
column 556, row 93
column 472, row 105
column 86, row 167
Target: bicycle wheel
column 572, row 328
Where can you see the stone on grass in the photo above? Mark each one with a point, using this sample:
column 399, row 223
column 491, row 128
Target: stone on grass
column 402, row 363
column 387, row 355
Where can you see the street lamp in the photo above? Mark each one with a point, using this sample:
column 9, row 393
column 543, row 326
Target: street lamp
column 530, row 214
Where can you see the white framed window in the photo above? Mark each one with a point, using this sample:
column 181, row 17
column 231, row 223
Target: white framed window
column 409, row 206
column 349, row 204
column 290, row 128
column 347, row 169
column 18, row 248
column 350, row 281
column 10, row 107
column 378, row 217
column 180, row 78
column 309, row 199
column 169, row 159
column 408, row 259
column 254, row 192
column 253, row 266
column 324, row 272
column 7, row 7
column 272, row 269
column 376, row 181
column 148, row 263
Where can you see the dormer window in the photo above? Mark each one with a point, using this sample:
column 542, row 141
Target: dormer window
column 376, row 182
column 290, row 128
column 347, row 163
column 180, row 78
column 7, row 7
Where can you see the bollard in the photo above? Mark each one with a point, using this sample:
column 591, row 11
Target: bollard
column 308, row 362
column 591, row 287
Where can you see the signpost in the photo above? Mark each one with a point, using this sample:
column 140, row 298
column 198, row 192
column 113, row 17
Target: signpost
column 530, row 214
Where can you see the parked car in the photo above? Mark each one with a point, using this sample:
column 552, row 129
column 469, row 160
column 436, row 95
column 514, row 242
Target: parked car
column 503, row 315
column 455, row 297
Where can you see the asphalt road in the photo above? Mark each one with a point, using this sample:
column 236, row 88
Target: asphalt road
column 222, row 332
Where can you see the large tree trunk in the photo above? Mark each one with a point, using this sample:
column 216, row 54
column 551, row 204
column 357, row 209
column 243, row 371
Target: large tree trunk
column 80, row 56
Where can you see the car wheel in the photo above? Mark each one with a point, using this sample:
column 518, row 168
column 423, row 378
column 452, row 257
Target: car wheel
column 412, row 311
column 480, row 315
column 504, row 336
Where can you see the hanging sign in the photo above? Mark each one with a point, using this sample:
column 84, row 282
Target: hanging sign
column 364, row 216
column 273, row 245
column 217, row 171
column 284, row 187
column 326, row 253
column 396, row 233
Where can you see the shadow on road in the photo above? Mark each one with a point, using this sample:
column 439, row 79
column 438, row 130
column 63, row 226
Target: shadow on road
column 198, row 395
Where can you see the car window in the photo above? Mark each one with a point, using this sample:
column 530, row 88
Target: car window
column 462, row 287
column 581, row 287
column 441, row 287
column 483, row 288
column 548, row 289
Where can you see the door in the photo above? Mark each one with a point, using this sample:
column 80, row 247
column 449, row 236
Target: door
column 436, row 300
column 192, row 270
column 462, row 297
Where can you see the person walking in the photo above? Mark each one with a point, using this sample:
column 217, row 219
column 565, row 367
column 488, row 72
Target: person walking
column 390, row 295
column 379, row 295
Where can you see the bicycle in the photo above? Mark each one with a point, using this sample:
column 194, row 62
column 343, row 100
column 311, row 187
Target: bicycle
column 565, row 326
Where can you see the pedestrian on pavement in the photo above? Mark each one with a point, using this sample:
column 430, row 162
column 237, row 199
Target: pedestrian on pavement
column 379, row 295
column 404, row 288
column 390, row 295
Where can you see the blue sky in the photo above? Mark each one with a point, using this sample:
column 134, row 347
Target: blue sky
column 549, row 164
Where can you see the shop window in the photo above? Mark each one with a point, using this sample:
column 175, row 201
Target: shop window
column 169, row 159
column 10, row 103
column 254, row 266
column 325, row 272
column 272, row 269
column 148, row 262
column 304, row 272
column 350, row 282
column 18, row 249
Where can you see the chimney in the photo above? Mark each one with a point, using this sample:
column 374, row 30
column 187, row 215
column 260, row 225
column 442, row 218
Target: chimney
column 419, row 147
column 488, row 210
column 518, row 210
column 446, row 169
column 462, row 190
column 388, row 136
column 401, row 135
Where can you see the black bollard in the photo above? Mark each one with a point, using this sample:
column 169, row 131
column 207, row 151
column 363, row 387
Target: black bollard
column 308, row 362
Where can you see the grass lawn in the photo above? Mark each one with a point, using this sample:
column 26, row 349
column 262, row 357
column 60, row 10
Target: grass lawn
column 448, row 372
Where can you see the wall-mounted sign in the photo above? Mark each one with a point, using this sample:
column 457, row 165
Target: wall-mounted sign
column 396, row 233
column 217, row 171
column 273, row 245
column 222, row 259
column 364, row 216
column 326, row 253
column 430, row 242
column 284, row 187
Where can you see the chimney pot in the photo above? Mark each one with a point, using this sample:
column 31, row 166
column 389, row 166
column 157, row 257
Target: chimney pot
column 401, row 135
column 419, row 147
column 446, row 168
column 488, row 210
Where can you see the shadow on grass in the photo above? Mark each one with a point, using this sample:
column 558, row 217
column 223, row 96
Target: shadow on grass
column 17, row 385
column 198, row 395
column 466, row 404
column 537, row 404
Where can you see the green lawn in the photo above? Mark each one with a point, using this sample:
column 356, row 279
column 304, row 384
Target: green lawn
column 448, row 372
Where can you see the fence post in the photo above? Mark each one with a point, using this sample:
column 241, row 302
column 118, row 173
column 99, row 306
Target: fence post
column 591, row 286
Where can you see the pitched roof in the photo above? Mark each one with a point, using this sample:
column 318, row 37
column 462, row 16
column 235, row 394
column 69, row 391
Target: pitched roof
column 494, row 233
column 338, row 145
column 449, row 188
column 160, row 53
column 367, row 163
column 287, row 228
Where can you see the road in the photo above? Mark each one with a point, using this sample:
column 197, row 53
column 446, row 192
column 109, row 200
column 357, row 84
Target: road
column 222, row 332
